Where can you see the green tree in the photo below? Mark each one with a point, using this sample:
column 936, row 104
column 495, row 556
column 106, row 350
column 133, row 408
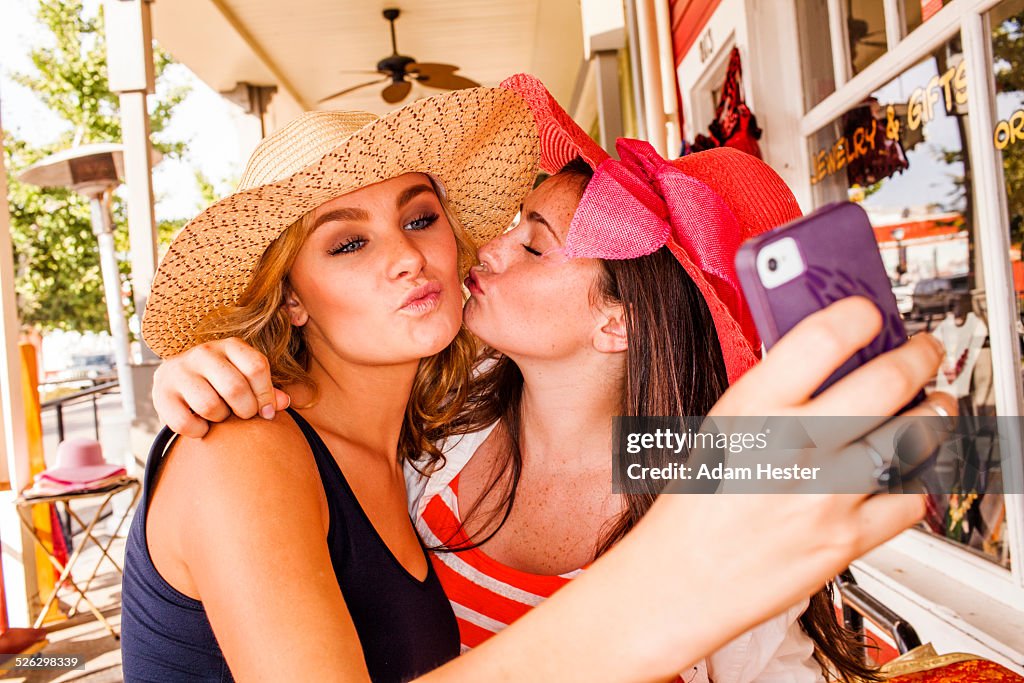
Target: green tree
column 59, row 285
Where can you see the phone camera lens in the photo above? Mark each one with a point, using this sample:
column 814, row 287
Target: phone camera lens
column 773, row 265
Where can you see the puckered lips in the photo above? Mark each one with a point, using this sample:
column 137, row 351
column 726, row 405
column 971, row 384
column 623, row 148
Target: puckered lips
column 422, row 299
column 472, row 283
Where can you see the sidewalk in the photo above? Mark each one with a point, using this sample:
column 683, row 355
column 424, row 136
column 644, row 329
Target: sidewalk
column 83, row 635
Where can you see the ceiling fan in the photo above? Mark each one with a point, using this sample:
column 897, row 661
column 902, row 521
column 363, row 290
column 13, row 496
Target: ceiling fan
column 399, row 69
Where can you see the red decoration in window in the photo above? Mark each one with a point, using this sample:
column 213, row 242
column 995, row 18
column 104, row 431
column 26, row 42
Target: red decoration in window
column 734, row 125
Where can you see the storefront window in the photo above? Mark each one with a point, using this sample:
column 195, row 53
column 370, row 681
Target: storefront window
column 1007, row 22
column 815, row 51
column 902, row 154
column 916, row 12
column 865, row 31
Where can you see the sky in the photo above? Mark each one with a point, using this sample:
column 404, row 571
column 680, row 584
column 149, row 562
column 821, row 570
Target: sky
column 205, row 120
column 927, row 179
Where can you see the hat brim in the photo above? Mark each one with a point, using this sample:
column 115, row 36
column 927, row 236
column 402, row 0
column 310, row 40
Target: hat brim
column 561, row 138
column 480, row 144
column 85, row 474
column 761, row 201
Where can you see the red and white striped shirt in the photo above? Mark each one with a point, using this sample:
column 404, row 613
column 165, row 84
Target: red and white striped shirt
column 487, row 595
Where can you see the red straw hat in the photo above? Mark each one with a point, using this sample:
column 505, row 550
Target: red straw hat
column 701, row 207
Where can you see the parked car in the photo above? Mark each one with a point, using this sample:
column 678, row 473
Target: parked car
column 91, row 365
column 937, row 295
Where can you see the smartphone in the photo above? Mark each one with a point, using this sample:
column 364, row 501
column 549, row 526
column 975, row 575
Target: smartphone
column 803, row 266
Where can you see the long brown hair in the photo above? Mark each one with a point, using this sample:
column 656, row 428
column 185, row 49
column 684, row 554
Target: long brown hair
column 674, row 366
column 260, row 319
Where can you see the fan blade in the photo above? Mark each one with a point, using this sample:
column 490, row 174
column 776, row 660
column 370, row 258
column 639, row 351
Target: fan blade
column 396, row 92
column 431, row 68
column 441, row 76
column 448, row 82
column 359, row 71
column 355, row 87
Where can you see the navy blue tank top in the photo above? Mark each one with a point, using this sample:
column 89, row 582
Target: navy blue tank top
column 406, row 627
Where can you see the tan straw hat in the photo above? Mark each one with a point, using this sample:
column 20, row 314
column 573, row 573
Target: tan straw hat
column 479, row 144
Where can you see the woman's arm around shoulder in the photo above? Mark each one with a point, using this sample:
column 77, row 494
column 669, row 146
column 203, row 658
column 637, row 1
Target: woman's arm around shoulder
column 244, row 513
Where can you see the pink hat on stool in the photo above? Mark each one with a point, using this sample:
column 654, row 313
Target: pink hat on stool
column 80, row 461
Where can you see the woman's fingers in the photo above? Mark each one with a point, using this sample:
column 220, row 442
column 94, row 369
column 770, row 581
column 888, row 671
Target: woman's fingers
column 232, row 386
column 879, row 518
column 281, row 399
column 805, row 357
column 175, row 413
column 205, row 401
column 883, row 385
column 216, row 379
column 210, row 382
column 887, row 457
column 944, row 402
column 170, row 404
column 258, row 395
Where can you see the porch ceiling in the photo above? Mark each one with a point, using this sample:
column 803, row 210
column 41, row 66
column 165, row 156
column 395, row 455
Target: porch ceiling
column 305, row 46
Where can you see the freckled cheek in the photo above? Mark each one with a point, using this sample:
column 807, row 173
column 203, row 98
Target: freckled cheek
column 343, row 298
column 443, row 254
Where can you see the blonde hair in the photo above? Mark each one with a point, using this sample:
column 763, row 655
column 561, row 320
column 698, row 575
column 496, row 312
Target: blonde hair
column 260, row 319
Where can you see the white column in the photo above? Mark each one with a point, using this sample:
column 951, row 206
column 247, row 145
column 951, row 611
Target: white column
column 18, row 552
column 840, row 45
column 650, row 68
column 669, row 86
column 609, row 107
column 893, row 23
column 130, row 72
column 138, row 189
column 633, row 38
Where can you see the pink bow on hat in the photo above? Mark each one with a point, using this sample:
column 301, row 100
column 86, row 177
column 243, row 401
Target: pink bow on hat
column 636, row 205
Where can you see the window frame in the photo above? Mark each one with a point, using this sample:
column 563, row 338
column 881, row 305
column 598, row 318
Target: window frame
column 969, row 19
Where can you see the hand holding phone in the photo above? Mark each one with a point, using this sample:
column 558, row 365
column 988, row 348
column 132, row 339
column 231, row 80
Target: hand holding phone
column 803, row 266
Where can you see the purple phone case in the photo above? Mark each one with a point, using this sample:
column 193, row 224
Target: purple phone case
column 841, row 258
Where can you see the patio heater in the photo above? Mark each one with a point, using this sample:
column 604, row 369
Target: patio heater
column 94, row 171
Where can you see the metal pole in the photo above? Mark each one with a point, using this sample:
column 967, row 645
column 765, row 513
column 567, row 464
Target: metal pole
column 102, row 228
column 60, row 422
column 95, row 418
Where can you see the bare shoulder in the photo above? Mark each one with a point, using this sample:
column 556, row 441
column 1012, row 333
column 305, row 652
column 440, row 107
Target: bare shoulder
column 260, row 466
column 248, row 449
